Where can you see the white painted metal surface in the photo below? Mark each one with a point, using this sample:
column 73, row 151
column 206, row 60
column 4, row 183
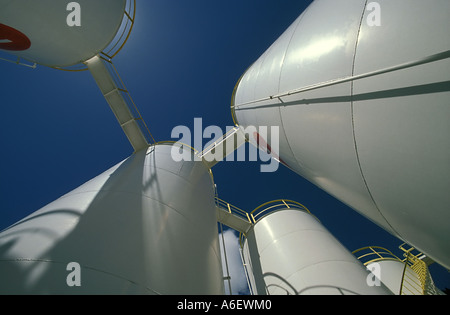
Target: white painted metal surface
column 226, row 145
column 398, row 277
column 377, row 142
column 147, row 225
column 238, row 221
column 403, row 276
column 52, row 41
column 391, row 274
column 401, row 279
column 291, row 252
column 116, row 102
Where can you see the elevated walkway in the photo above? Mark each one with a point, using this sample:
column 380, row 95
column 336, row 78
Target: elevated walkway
column 224, row 146
column 233, row 217
column 120, row 102
column 242, row 221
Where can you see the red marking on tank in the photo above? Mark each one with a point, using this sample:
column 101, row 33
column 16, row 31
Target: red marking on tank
column 263, row 145
column 16, row 40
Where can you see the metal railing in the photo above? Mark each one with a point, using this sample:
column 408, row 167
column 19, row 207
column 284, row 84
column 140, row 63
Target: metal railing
column 372, row 254
column 418, row 266
column 271, row 207
column 275, row 205
column 219, row 140
column 116, row 45
column 124, row 32
column 233, row 210
column 415, row 274
column 19, row 62
column 129, row 100
column 181, row 144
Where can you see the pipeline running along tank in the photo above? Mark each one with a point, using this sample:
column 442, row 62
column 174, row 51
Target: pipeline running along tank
column 364, row 111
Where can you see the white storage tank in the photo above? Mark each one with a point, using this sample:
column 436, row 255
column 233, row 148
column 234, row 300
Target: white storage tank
column 59, row 33
column 361, row 96
column 407, row 276
column 146, row 226
column 288, row 251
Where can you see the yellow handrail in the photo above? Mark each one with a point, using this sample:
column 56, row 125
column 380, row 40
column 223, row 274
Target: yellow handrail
column 380, row 253
column 233, row 209
column 275, row 205
column 269, row 207
column 409, row 284
column 417, row 265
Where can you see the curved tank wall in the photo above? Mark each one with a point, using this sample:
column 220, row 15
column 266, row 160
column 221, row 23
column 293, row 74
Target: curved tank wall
column 38, row 30
column 407, row 276
column 398, row 277
column 291, row 252
column 376, row 140
column 147, row 225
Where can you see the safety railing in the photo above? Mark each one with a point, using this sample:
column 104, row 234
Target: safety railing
column 129, row 100
column 275, row 205
column 233, row 210
column 181, row 144
column 116, row 45
column 418, row 266
column 370, row 254
column 18, row 61
column 414, row 278
column 271, row 207
column 124, row 32
column 219, row 140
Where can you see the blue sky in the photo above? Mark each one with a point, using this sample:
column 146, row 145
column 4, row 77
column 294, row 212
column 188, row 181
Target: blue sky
column 181, row 62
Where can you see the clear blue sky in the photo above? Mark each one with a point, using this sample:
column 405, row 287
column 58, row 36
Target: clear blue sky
column 181, row 62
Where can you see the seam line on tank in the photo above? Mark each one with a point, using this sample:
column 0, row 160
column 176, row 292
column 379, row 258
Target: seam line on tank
column 353, row 121
column 82, row 266
column 279, row 84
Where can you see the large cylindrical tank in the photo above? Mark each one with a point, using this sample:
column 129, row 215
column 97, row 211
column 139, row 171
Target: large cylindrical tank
column 146, row 226
column 408, row 276
column 361, row 96
column 44, row 31
column 288, row 251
